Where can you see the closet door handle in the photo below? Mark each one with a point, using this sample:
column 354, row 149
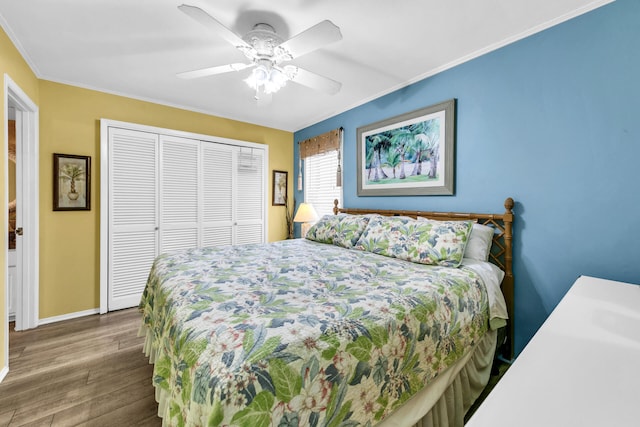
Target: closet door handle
column 19, row 231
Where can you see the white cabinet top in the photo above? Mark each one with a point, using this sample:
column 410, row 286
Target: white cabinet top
column 582, row 368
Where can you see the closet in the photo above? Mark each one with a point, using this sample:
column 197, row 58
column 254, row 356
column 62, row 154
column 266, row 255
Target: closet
column 167, row 190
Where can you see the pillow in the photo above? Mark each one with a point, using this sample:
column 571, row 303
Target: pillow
column 480, row 241
column 424, row 242
column 349, row 229
column 324, row 231
column 340, row 230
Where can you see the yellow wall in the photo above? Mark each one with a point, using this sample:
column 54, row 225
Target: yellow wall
column 69, row 123
column 12, row 64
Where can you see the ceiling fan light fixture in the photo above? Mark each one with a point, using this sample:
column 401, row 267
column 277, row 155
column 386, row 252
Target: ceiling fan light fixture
column 268, row 78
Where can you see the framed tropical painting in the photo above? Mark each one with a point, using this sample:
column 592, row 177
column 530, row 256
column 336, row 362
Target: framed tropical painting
column 71, row 182
column 410, row 154
column 279, row 188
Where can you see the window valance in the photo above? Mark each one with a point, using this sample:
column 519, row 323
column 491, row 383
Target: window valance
column 320, row 144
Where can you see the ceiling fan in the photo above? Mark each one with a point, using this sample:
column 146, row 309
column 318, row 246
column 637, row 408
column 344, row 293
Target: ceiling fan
column 266, row 51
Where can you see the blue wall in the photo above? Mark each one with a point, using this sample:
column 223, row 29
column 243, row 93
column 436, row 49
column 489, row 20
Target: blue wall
column 553, row 121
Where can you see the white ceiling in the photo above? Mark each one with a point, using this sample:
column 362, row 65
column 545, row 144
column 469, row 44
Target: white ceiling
column 135, row 47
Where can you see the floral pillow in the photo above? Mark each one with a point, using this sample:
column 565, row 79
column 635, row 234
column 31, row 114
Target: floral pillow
column 480, row 241
column 349, row 230
column 425, row 242
column 325, row 230
column 341, row 230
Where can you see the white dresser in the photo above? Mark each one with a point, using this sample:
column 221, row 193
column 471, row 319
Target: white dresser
column 582, row 368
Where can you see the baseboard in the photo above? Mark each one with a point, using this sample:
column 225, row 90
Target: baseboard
column 3, row 373
column 68, row 316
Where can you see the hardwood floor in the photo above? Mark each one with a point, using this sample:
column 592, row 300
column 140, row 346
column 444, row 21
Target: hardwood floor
column 83, row 372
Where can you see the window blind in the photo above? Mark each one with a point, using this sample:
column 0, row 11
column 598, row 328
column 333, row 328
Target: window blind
column 320, row 182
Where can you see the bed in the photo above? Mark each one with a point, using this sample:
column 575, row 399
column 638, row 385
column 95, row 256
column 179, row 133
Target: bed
column 376, row 318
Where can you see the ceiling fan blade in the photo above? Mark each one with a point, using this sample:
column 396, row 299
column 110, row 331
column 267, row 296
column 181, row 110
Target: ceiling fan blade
column 312, row 80
column 214, row 25
column 203, row 72
column 311, row 39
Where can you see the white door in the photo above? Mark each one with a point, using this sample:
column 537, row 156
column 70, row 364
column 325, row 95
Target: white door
column 250, row 197
column 26, row 271
column 179, row 193
column 12, row 284
column 218, row 162
column 13, row 275
column 16, row 266
column 133, row 221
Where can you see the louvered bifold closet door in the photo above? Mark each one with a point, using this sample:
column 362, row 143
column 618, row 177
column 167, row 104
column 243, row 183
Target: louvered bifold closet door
column 133, row 214
column 179, row 193
column 217, row 193
column 250, row 196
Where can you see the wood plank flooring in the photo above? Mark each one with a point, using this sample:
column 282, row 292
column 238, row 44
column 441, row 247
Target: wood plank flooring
column 83, row 372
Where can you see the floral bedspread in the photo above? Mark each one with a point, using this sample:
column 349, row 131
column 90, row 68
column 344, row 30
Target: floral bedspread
column 298, row 333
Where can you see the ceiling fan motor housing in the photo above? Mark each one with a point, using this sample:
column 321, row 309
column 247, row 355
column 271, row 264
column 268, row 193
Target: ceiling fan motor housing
column 264, row 40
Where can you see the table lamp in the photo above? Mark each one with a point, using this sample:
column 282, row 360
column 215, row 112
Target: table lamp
column 306, row 214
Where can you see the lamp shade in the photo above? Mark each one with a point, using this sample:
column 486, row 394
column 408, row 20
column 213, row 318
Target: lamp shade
column 305, row 213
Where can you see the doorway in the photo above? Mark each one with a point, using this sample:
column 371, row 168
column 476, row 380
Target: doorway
column 25, row 113
column 12, row 283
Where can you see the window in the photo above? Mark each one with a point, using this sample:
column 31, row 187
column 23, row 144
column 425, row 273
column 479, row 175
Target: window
column 321, row 155
column 320, row 182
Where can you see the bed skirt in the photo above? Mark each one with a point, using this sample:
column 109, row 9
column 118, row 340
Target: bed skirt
column 443, row 403
column 447, row 399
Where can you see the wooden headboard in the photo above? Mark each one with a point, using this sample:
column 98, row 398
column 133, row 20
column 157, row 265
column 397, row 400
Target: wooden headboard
column 501, row 250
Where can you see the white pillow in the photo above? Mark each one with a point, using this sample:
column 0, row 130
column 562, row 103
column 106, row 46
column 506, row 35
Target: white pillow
column 480, row 240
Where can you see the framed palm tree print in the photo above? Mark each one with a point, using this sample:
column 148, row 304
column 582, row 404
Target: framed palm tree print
column 71, row 182
column 410, row 154
column 279, row 188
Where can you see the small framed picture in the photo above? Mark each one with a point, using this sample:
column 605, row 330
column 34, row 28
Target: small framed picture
column 279, row 188
column 71, row 182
